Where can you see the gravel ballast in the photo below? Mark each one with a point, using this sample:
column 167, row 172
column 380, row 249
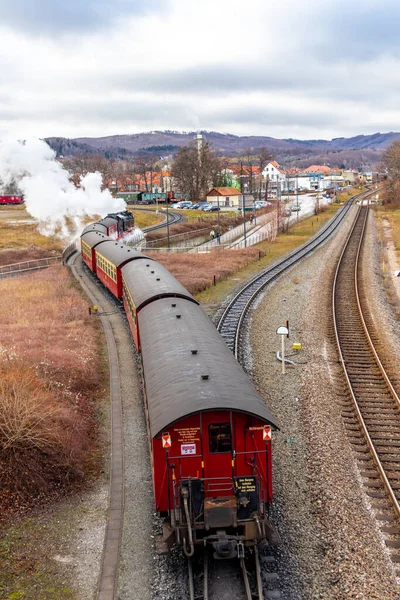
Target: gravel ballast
column 331, row 545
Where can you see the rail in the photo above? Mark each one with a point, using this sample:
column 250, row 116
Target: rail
column 353, row 381
column 231, row 321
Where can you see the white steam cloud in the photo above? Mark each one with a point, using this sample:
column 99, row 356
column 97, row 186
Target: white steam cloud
column 49, row 194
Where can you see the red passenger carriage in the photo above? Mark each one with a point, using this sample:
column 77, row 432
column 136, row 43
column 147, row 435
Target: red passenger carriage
column 89, row 242
column 145, row 282
column 110, row 258
column 209, row 431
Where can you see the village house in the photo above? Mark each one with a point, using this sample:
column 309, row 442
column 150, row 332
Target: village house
column 224, row 197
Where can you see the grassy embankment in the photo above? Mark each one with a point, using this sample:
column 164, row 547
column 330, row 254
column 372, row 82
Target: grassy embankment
column 388, row 223
column 19, row 238
column 144, row 218
column 51, row 387
column 233, row 267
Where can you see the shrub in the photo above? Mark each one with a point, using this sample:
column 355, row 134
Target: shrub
column 50, row 374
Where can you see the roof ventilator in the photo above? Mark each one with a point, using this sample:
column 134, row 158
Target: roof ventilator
column 205, row 376
column 178, row 316
column 194, row 351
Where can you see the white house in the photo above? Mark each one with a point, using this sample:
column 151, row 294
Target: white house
column 274, row 172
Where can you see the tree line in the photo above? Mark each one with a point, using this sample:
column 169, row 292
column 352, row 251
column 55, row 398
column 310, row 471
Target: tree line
column 194, row 169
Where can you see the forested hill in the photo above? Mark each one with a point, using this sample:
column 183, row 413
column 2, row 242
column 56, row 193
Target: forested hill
column 362, row 149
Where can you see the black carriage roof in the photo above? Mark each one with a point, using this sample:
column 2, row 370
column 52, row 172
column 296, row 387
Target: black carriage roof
column 180, row 383
column 118, row 253
column 93, row 238
column 95, row 227
column 148, row 280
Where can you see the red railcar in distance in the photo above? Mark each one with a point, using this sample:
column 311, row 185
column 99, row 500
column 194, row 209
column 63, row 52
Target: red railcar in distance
column 11, row 200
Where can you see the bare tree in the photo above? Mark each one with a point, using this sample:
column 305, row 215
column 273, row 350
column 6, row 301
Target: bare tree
column 391, row 165
column 195, row 170
column 249, row 164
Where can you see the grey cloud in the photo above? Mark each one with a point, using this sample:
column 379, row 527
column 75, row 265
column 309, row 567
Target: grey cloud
column 316, row 82
column 357, row 31
column 215, row 79
column 51, row 17
column 277, row 117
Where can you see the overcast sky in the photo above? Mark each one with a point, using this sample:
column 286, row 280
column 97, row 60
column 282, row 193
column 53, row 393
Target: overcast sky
column 286, row 69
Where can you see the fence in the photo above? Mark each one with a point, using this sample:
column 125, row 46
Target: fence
column 27, row 266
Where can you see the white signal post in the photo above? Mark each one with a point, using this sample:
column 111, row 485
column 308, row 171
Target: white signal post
column 283, row 331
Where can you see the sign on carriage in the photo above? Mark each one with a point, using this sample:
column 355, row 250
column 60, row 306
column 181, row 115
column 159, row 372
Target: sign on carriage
column 166, row 441
column 267, row 434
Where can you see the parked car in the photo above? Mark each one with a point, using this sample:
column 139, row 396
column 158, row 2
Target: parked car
column 262, row 203
column 175, row 205
column 296, row 208
column 214, row 208
column 206, row 207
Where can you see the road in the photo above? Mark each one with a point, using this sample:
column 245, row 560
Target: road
column 306, row 204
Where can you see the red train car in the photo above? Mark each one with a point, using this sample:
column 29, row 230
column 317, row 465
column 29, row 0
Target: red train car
column 210, row 434
column 144, row 282
column 89, row 243
column 11, row 199
column 108, row 226
column 111, row 225
column 110, row 258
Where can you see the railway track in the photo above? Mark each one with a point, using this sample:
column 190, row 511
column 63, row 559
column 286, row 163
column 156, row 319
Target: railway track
column 232, row 320
column 172, row 219
column 226, row 579
column 373, row 417
column 231, row 326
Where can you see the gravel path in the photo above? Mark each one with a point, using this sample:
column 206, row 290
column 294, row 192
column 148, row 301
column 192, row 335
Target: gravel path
column 331, row 546
column 136, row 555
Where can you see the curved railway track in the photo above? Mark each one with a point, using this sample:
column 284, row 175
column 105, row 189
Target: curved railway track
column 375, row 403
column 232, row 320
column 172, row 219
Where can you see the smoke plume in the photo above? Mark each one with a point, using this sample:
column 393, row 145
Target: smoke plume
column 50, row 196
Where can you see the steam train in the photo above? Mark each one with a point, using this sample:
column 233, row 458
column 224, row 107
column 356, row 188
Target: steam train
column 209, row 431
column 11, row 199
column 114, row 224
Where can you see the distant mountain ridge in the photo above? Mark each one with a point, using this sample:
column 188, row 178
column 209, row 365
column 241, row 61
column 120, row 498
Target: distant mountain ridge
column 289, row 150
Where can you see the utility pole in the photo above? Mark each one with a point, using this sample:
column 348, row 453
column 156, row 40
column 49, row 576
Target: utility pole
column 167, row 223
column 219, row 224
column 243, row 211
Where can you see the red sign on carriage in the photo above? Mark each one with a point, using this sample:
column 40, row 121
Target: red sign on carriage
column 267, row 434
column 166, row 441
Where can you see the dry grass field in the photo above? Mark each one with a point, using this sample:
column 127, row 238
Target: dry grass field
column 50, row 374
column 197, row 271
column 20, row 239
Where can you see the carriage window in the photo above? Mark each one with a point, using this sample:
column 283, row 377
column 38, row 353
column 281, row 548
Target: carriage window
column 220, row 438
